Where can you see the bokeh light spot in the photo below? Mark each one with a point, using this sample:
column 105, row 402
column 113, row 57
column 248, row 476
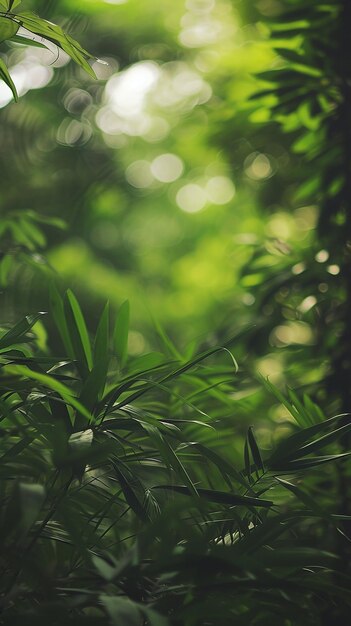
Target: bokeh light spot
column 138, row 174
column 191, row 198
column 167, row 167
column 258, row 166
column 220, row 190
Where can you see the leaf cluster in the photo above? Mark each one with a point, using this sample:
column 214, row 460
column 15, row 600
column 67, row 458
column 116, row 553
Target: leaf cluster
column 114, row 510
column 28, row 28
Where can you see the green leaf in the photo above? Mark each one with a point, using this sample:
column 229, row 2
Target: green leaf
column 8, row 28
column 247, row 461
column 284, row 401
column 288, row 447
column 128, row 488
column 121, row 333
column 296, row 557
column 4, row 74
column 321, row 442
column 309, row 463
column 96, row 380
column 19, row 331
column 172, row 375
column 302, row 496
column 9, row 5
column 102, row 337
column 58, row 313
column 25, row 40
column 256, row 455
column 56, row 35
column 78, row 334
column 171, row 458
column 50, row 383
column 13, row 4
column 221, row 497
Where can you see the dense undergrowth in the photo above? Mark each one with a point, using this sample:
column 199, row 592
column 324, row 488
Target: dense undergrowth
column 120, row 503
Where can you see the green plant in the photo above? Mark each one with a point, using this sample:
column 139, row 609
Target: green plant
column 27, row 28
column 123, row 497
column 118, row 507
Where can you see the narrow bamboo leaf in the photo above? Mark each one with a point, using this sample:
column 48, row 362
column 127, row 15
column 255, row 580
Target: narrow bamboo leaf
column 309, row 463
column 56, row 35
column 95, row 383
column 17, row 333
column 129, row 493
column 50, row 383
column 172, row 375
column 323, row 441
column 220, row 497
column 313, row 409
column 121, row 333
column 102, row 337
column 304, row 497
column 296, row 557
column 5, row 75
column 12, row 4
column 247, row 461
column 256, row 455
column 305, row 416
column 25, row 40
column 277, row 393
column 58, row 313
column 12, row 452
column 171, row 458
column 9, row 5
column 267, row 532
column 78, row 334
column 292, row 444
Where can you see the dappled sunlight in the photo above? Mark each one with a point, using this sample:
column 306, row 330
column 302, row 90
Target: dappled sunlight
column 27, row 74
column 292, row 333
column 137, row 98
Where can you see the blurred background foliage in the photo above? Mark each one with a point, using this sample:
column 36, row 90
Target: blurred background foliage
column 180, row 179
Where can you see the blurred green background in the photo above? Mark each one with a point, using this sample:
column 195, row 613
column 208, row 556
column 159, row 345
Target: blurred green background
column 176, row 190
